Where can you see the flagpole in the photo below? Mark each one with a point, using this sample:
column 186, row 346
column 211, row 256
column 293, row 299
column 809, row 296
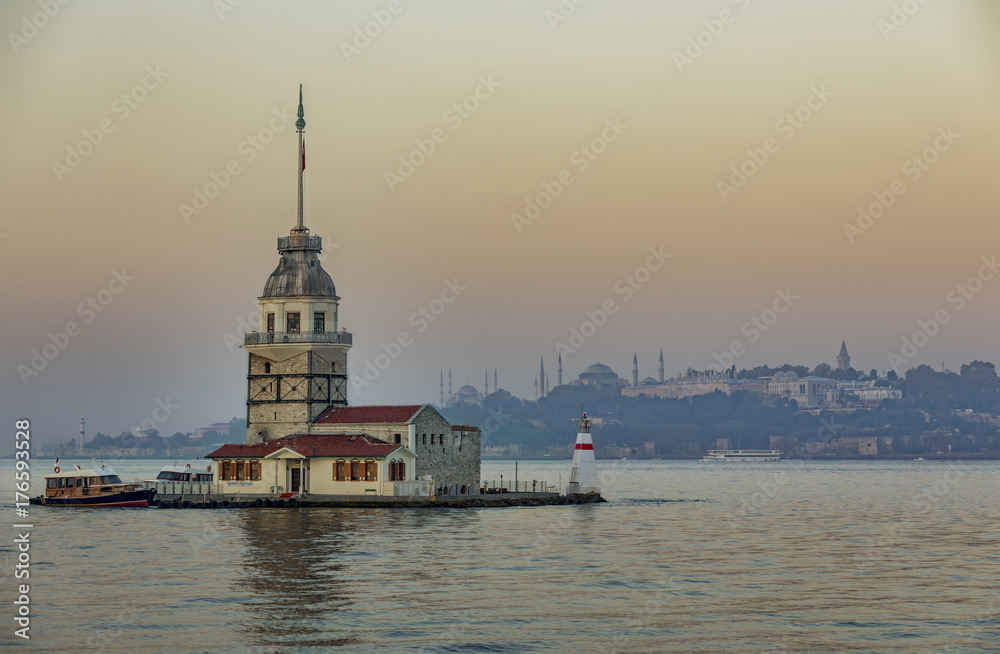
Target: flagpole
column 300, row 125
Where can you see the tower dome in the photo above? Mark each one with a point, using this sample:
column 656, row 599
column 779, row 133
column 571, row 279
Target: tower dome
column 299, row 272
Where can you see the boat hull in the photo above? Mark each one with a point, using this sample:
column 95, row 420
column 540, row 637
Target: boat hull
column 135, row 498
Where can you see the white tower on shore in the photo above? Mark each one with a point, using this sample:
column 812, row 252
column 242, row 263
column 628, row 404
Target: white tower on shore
column 80, row 441
column 583, row 476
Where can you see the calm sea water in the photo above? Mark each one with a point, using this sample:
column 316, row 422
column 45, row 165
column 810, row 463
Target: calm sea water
column 815, row 556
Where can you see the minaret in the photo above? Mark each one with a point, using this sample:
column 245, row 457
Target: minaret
column 486, row 382
column 635, row 369
column 81, row 440
column 843, row 359
column 441, row 403
column 559, row 369
column 541, row 376
column 495, row 386
column 583, row 475
column 297, row 364
column 451, row 396
column 661, row 365
column 536, row 389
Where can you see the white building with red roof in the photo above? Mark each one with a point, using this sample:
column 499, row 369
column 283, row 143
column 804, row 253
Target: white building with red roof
column 448, row 454
column 341, row 464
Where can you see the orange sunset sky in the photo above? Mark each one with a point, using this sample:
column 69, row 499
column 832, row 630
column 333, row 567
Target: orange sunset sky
column 741, row 138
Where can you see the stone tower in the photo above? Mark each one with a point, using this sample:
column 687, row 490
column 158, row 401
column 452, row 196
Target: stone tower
column 843, row 359
column 635, row 368
column 661, row 366
column 298, row 361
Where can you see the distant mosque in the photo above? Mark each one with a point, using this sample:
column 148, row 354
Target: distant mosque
column 596, row 374
column 466, row 394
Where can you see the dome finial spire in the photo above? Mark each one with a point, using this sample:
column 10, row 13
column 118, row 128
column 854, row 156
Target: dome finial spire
column 300, row 125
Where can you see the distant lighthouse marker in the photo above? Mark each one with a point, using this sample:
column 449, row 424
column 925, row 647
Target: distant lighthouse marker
column 583, row 476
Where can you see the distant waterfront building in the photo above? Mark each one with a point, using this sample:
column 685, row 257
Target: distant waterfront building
column 843, row 359
column 689, row 384
column 808, row 392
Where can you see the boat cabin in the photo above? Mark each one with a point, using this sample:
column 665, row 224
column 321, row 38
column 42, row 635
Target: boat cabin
column 82, row 483
column 196, row 471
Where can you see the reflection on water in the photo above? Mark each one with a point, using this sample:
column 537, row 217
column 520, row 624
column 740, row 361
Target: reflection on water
column 685, row 557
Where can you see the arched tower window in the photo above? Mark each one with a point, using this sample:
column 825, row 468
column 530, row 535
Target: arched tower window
column 267, row 367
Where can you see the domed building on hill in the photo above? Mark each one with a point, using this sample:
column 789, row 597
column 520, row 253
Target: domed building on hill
column 467, row 395
column 599, row 374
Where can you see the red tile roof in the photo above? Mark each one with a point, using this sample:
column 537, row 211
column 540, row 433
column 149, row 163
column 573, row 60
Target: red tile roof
column 368, row 414
column 310, row 445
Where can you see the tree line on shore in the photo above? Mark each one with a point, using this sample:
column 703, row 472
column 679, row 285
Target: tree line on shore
column 931, row 417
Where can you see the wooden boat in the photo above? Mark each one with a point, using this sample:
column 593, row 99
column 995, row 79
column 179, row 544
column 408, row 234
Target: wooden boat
column 97, row 487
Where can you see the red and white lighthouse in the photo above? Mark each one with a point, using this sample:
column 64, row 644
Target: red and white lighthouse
column 583, row 477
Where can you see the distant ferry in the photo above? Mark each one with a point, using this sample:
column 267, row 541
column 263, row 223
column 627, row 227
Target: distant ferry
column 743, row 455
column 97, row 487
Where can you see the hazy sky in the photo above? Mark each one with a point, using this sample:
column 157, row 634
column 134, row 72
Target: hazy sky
column 739, row 138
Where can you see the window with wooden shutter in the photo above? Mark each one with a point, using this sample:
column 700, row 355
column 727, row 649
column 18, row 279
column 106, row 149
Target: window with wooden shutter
column 370, row 471
column 355, row 471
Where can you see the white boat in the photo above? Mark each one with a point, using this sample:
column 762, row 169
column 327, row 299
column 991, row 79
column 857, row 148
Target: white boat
column 196, row 470
column 743, row 455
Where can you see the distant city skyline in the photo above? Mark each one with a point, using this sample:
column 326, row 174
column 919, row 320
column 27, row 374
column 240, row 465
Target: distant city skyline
column 493, row 182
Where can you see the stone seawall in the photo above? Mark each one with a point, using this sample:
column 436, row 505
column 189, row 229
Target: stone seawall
column 330, row 501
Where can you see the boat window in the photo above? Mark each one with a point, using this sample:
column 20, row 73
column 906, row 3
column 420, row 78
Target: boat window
column 79, row 482
column 62, row 482
column 110, row 479
column 53, row 483
column 166, row 475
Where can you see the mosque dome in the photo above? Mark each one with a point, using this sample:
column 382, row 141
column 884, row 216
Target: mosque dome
column 468, row 389
column 598, row 371
column 648, row 381
column 299, row 273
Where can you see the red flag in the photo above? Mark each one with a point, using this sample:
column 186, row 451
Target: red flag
column 303, row 154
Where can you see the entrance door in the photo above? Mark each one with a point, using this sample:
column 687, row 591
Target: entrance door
column 296, row 476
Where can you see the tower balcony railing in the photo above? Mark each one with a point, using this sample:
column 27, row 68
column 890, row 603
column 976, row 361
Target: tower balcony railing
column 302, row 241
column 270, row 338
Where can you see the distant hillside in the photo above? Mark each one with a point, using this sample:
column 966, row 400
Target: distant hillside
column 925, row 420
